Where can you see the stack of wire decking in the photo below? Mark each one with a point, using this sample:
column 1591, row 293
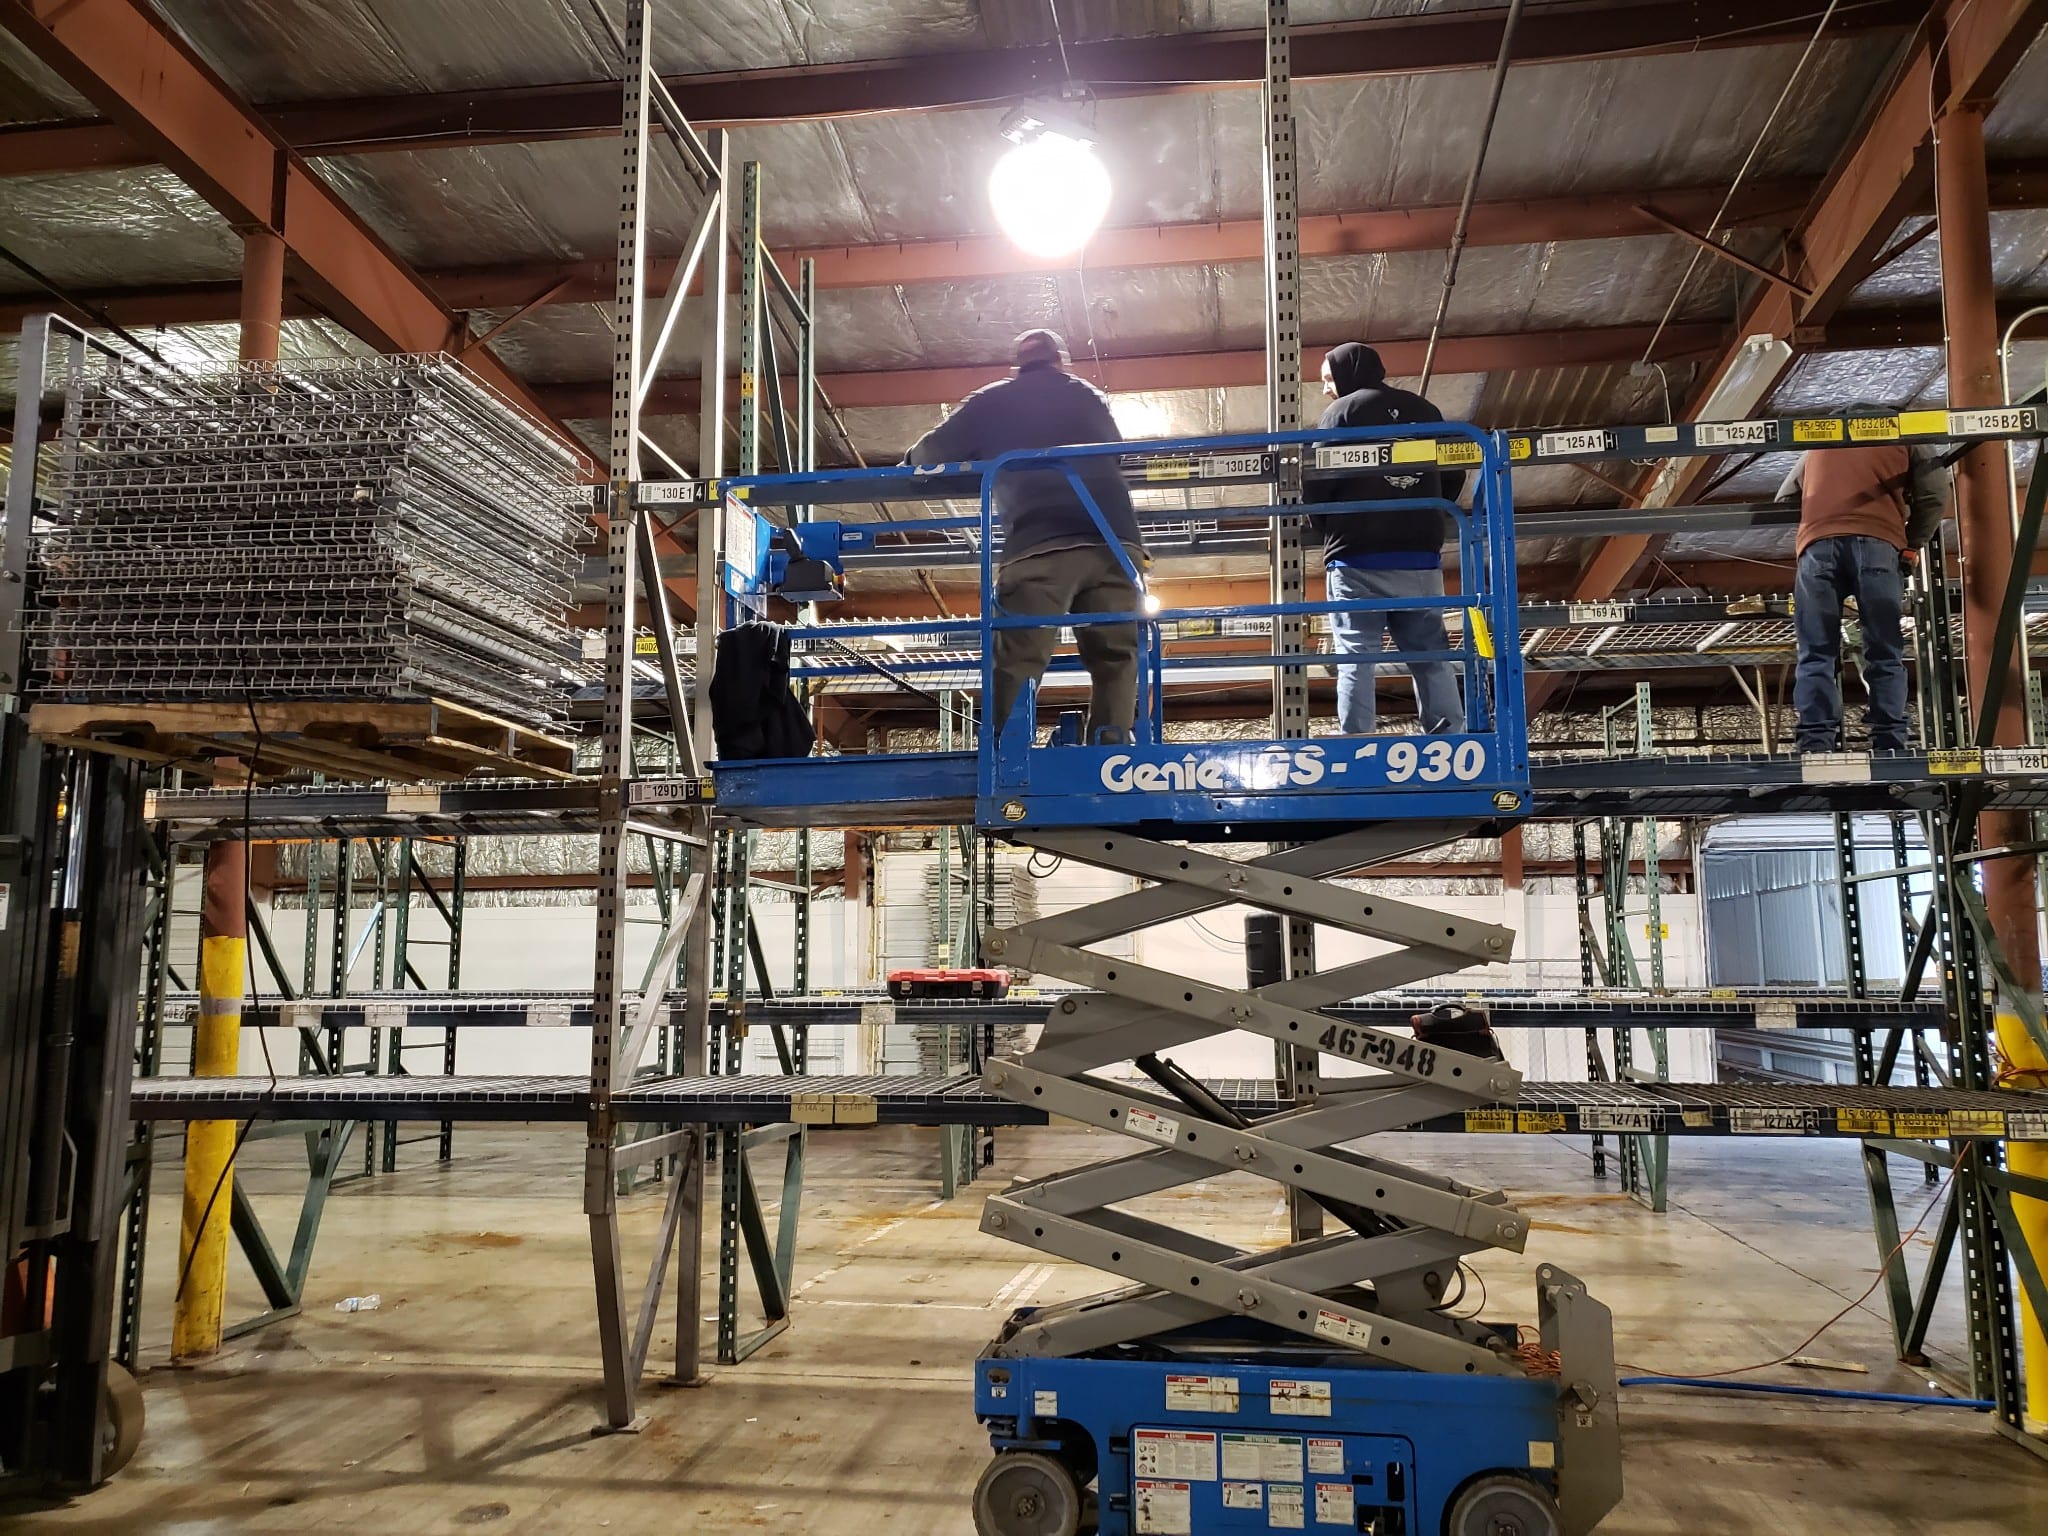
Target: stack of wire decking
column 360, row 529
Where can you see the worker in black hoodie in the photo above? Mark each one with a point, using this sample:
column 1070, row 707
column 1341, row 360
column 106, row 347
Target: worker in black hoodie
column 1055, row 561
column 1373, row 554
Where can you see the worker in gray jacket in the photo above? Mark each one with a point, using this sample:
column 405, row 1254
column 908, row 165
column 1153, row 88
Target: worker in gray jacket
column 1055, row 561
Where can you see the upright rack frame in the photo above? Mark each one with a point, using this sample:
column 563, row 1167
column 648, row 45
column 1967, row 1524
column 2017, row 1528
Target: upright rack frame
column 617, row 1039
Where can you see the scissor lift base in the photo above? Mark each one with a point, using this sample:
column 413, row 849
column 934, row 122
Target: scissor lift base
column 1253, row 1433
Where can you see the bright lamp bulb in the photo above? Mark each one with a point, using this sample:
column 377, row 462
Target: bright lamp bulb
column 1049, row 195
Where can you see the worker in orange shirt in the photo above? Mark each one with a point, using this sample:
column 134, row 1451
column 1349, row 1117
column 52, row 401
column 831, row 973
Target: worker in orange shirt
column 1864, row 514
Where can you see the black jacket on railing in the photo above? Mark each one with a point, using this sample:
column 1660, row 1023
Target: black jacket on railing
column 753, row 713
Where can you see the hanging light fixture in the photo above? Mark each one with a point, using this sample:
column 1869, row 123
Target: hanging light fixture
column 1049, row 193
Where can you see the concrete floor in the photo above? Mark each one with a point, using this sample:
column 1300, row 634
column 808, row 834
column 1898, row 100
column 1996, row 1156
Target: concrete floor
column 467, row 1398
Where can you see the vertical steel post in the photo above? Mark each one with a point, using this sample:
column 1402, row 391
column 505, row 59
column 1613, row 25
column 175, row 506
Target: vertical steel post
column 309, row 978
column 753, row 315
column 1984, row 515
column 697, row 943
column 600, row 1184
column 148, row 1060
column 807, row 460
column 223, row 947
column 450, row 1037
column 1298, row 1069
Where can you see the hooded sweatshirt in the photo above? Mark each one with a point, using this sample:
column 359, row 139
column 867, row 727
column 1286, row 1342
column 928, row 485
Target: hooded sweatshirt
column 1041, row 405
column 1406, row 540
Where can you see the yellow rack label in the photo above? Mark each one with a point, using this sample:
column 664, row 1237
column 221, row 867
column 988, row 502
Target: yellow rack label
column 1956, row 760
column 1490, row 1120
column 1873, row 429
column 1535, row 1122
column 833, row 1108
column 1697, row 1119
column 1414, row 453
column 1976, row 1122
column 1482, row 633
column 1919, row 1127
column 1169, row 469
column 1200, row 629
column 1924, row 423
column 644, row 645
column 1823, row 430
column 1863, row 1122
column 1521, row 448
column 1459, row 453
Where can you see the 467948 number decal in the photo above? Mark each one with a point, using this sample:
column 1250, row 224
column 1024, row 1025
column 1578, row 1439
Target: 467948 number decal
column 1382, row 1050
column 1435, row 760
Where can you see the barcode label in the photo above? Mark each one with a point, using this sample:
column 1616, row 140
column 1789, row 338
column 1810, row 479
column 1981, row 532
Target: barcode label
column 2018, row 418
column 1354, row 456
column 667, row 791
column 1735, row 434
column 1640, row 1121
column 2016, row 760
column 1231, row 466
column 666, row 493
column 1597, row 613
column 1551, row 444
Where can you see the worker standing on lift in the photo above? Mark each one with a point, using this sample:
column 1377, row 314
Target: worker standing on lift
column 1864, row 513
column 1055, row 561
column 1373, row 554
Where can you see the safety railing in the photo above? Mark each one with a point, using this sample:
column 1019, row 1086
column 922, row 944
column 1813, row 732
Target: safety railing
column 1167, row 769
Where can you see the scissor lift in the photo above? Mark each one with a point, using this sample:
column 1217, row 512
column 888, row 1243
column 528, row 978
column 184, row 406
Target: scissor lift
column 1329, row 1383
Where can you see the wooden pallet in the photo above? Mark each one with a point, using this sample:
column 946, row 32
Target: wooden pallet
column 349, row 741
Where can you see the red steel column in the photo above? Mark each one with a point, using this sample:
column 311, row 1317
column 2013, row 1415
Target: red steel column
column 1984, row 517
column 223, row 951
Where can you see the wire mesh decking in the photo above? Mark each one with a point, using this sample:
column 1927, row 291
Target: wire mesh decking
column 378, row 528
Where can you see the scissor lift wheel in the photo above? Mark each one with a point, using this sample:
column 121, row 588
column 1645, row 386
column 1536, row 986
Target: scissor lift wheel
column 1503, row 1505
column 1025, row 1493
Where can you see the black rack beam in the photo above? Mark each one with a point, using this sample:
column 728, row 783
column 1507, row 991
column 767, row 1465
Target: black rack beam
column 1773, row 1011
column 1564, row 789
column 1661, row 1109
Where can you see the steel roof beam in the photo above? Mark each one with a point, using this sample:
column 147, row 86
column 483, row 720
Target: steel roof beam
column 1965, row 53
column 534, row 285
column 1529, row 221
column 1116, row 67
column 1587, row 347
column 1191, row 370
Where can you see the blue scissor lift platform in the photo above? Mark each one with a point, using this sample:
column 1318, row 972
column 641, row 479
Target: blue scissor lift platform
column 1327, row 1384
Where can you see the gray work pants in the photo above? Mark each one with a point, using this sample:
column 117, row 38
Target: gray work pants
column 1059, row 583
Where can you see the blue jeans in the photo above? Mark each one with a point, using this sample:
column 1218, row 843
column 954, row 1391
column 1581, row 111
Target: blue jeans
column 1414, row 629
column 1830, row 572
